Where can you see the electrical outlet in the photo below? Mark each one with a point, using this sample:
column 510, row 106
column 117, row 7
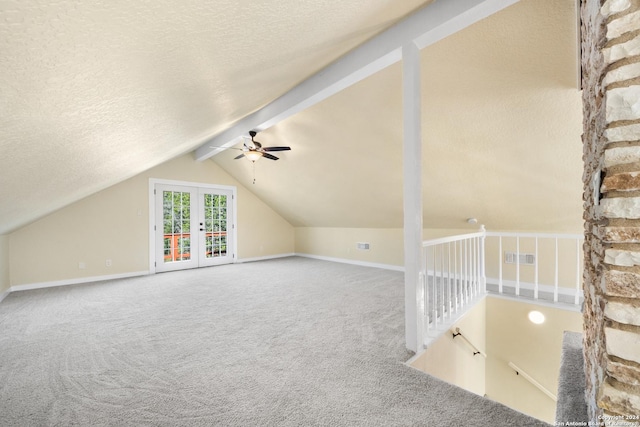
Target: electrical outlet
column 108, row 263
column 363, row 246
column 82, row 265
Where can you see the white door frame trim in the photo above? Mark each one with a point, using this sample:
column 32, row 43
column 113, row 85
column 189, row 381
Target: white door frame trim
column 152, row 213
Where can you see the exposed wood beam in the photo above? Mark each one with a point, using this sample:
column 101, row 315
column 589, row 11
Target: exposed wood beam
column 424, row 27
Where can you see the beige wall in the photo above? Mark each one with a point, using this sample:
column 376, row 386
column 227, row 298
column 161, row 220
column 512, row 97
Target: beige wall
column 536, row 349
column 386, row 247
column 4, row 264
column 452, row 360
column 386, row 244
column 113, row 224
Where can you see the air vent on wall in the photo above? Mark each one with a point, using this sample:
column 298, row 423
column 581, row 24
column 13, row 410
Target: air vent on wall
column 525, row 259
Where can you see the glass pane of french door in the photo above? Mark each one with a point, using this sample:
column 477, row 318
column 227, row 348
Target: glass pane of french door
column 215, row 225
column 177, row 225
column 176, row 228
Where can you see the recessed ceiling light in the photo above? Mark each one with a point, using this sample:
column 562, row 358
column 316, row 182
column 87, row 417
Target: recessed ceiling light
column 536, row 317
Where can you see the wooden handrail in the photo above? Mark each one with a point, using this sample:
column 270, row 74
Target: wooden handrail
column 475, row 349
column 529, row 378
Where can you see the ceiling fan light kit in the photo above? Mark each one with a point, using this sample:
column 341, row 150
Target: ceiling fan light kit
column 253, row 155
column 255, row 151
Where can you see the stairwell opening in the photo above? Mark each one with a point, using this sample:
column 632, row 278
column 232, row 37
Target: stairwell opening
column 500, row 328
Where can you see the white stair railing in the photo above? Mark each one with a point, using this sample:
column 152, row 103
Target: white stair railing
column 453, row 275
column 540, row 266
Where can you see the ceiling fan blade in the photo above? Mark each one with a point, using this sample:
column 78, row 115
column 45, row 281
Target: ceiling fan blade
column 276, row 149
column 269, row 156
column 239, row 157
column 256, row 144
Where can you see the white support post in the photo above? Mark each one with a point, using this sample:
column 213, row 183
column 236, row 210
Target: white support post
column 412, row 189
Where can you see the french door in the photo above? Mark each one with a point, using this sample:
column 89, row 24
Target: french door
column 193, row 227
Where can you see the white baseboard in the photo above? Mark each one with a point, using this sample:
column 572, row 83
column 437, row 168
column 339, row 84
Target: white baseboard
column 354, row 262
column 67, row 282
column 264, row 258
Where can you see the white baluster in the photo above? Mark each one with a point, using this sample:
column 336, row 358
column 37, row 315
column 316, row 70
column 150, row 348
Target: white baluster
column 517, row 266
column 555, row 282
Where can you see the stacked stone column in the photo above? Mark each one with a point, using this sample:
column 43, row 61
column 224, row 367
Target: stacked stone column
column 611, row 95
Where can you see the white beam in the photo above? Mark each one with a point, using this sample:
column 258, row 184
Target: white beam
column 412, row 188
column 424, row 27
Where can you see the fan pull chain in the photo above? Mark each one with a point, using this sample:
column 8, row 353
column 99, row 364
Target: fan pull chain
column 253, row 166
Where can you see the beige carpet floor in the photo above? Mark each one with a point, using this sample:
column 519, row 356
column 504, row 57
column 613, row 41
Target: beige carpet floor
column 287, row 342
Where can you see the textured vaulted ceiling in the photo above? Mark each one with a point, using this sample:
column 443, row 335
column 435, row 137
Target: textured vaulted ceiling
column 92, row 93
column 502, row 119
